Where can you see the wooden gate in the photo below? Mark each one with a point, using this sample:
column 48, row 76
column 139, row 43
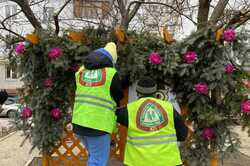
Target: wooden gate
column 70, row 152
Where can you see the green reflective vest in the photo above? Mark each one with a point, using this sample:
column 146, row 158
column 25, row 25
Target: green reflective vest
column 151, row 136
column 94, row 107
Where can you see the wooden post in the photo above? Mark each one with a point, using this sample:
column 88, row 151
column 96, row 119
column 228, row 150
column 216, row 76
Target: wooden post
column 45, row 160
column 123, row 130
column 214, row 161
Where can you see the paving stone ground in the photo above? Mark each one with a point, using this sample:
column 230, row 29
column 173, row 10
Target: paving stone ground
column 11, row 154
column 5, row 126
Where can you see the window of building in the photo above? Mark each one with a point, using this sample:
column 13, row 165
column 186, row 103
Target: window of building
column 10, row 10
column 48, row 14
column 91, row 9
column 11, row 73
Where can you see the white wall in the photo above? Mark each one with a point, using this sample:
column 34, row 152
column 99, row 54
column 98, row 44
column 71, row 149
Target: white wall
column 7, row 83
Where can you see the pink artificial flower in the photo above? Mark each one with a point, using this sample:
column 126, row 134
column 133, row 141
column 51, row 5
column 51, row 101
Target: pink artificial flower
column 155, row 58
column 189, row 57
column 48, row 83
column 245, row 106
column 208, row 133
column 19, row 48
column 26, row 113
column 56, row 113
column 201, row 88
column 229, row 35
column 55, row 53
column 229, row 68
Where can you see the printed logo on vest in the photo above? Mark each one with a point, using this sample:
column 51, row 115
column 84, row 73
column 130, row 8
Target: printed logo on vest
column 151, row 116
column 93, row 77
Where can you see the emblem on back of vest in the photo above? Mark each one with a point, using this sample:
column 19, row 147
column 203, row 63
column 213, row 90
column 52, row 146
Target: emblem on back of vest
column 151, row 116
column 93, row 77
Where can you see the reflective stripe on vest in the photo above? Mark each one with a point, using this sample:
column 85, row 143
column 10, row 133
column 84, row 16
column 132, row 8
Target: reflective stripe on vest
column 153, row 139
column 94, row 97
column 151, row 143
column 83, row 99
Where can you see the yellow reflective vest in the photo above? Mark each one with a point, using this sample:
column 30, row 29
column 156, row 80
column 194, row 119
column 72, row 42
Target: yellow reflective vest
column 151, row 136
column 94, row 107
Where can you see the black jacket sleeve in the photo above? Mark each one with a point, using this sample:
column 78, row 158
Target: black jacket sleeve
column 122, row 116
column 3, row 96
column 180, row 127
column 116, row 89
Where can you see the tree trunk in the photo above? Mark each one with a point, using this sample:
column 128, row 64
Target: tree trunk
column 124, row 22
column 126, row 13
column 24, row 4
column 218, row 11
column 203, row 13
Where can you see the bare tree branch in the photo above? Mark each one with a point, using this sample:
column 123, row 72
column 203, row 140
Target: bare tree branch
column 243, row 21
column 24, row 4
column 203, row 12
column 134, row 11
column 13, row 15
column 169, row 6
column 12, row 32
column 57, row 14
column 179, row 9
column 122, row 7
column 218, row 11
column 84, row 20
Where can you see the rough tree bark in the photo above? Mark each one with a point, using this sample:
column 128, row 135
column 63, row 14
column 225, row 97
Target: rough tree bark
column 123, row 12
column 203, row 12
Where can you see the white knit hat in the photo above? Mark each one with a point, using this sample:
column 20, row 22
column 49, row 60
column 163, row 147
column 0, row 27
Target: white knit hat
column 111, row 49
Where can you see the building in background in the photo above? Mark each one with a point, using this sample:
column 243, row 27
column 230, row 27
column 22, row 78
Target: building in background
column 8, row 77
column 8, row 74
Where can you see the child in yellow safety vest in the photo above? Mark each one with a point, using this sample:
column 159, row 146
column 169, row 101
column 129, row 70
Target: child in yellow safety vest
column 98, row 92
column 154, row 128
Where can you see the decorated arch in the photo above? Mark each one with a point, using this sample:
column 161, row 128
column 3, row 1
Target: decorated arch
column 206, row 71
